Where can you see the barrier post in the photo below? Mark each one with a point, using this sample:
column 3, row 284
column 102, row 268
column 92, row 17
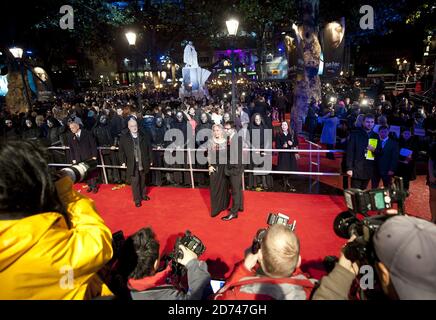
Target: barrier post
column 103, row 166
column 310, row 168
column 190, row 168
column 319, row 164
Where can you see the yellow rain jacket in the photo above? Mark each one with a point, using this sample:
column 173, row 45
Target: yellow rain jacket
column 40, row 258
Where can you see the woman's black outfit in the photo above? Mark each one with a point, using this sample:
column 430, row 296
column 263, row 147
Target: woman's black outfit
column 219, row 188
column 260, row 142
column 406, row 167
column 286, row 161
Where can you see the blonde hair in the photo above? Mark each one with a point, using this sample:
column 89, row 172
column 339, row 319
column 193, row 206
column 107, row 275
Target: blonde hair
column 280, row 252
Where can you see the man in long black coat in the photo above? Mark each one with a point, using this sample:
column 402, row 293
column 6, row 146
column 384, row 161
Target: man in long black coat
column 234, row 169
column 136, row 153
column 83, row 147
column 359, row 168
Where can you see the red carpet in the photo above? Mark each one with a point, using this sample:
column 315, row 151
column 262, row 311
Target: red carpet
column 173, row 210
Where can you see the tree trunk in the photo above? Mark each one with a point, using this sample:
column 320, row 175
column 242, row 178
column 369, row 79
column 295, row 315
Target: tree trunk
column 16, row 101
column 307, row 85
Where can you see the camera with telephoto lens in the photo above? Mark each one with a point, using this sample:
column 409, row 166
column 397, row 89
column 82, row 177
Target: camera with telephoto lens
column 273, row 218
column 347, row 223
column 79, row 172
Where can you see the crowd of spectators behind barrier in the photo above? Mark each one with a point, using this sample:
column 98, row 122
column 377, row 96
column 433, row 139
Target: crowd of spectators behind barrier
column 276, row 262
column 105, row 114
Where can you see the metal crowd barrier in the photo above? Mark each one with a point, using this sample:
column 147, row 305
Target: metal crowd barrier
column 189, row 151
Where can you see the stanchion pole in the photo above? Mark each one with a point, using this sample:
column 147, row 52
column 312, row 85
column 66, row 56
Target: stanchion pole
column 103, row 166
column 319, row 164
column 190, row 168
column 243, row 180
column 310, row 168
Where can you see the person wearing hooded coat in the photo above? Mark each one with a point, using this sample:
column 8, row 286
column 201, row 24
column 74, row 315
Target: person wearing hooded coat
column 104, row 138
column 260, row 138
column 185, row 131
column 203, row 133
column 157, row 133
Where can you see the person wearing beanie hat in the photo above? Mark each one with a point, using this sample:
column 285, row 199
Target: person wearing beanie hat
column 405, row 247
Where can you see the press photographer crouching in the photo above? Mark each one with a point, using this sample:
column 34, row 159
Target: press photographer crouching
column 270, row 270
column 52, row 240
column 398, row 248
column 140, row 262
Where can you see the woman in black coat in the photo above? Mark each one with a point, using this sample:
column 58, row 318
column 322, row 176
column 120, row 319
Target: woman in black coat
column 287, row 161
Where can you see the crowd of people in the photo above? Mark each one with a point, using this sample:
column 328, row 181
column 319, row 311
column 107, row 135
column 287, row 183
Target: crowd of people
column 344, row 118
column 55, row 246
column 381, row 137
column 135, row 123
column 105, row 117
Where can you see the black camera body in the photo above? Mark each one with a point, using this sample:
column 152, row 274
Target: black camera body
column 359, row 201
column 347, row 223
column 273, row 218
column 191, row 242
column 178, row 271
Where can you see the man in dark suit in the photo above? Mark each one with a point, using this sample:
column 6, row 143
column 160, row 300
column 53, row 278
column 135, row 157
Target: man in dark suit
column 386, row 159
column 136, row 153
column 281, row 103
column 359, row 165
column 83, row 147
column 234, row 169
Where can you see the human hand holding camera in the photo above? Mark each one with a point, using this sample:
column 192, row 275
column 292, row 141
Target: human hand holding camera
column 188, row 255
column 251, row 260
column 347, row 264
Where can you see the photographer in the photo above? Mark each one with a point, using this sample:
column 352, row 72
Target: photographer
column 140, row 262
column 52, row 241
column 271, row 273
column 405, row 263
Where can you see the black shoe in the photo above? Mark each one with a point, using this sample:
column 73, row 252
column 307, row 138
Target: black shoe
column 138, row 204
column 95, row 190
column 145, row 198
column 230, row 217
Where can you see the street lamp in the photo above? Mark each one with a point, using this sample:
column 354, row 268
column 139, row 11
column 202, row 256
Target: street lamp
column 232, row 28
column 131, row 39
column 17, row 53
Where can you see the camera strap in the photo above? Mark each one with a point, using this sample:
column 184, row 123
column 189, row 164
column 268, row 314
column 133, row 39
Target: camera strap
column 233, row 290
